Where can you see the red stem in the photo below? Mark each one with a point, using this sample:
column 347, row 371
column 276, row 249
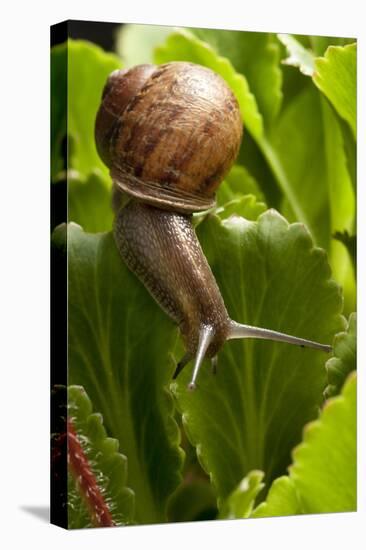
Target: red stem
column 85, row 480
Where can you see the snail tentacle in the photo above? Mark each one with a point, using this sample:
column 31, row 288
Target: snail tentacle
column 237, row 330
column 205, row 338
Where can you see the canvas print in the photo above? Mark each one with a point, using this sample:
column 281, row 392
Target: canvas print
column 203, row 197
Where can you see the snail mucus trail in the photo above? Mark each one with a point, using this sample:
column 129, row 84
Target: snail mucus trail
column 169, row 134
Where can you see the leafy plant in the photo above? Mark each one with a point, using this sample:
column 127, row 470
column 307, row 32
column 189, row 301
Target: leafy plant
column 97, row 473
column 322, row 477
column 245, row 425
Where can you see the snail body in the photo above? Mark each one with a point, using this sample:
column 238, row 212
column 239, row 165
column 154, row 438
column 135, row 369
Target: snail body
column 169, row 135
column 161, row 247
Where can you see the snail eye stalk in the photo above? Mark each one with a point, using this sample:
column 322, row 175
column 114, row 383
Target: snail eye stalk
column 205, row 338
column 246, row 331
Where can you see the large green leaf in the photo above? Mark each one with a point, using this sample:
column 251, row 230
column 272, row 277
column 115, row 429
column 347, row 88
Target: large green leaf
column 341, row 200
column 184, row 46
column 323, row 475
column 106, row 464
column 306, row 61
column 314, row 160
column 87, row 69
column 119, row 343
column 256, row 56
column 250, row 415
column 89, row 203
column 325, row 464
column 323, row 169
column 303, row 169
column 299, row 143
column 336, row 76
column 344, row 358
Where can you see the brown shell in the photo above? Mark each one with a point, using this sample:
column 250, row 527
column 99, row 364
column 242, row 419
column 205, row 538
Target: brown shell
column 169, row 134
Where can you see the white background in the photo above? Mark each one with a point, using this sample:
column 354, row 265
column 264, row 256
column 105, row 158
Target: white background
column 24, row 261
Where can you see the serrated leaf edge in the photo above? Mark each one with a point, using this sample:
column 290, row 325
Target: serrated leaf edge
column 318, row 79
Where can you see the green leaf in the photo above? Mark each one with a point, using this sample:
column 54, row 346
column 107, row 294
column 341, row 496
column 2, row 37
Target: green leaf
column 240, row 502
column 184, row 46
column 339, row 154
column 341, row 200
column 323, row 475
column 256, row 56
column 282, row 500
column 281, row 152
column 250, row 415
column 323, row 160
column 336, row 75
column 106, row 463
column 350, row 148
column 237, row 183
column 89, row 203
column 79, row 70
column 319, row 178
column 119, row 343
column 344, row 358
column 298, row 55
column 299, row 143
column 88, row 69
column 135, row 43
column 324, row 468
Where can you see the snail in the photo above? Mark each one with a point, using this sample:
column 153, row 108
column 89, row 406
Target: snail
column 169, row 134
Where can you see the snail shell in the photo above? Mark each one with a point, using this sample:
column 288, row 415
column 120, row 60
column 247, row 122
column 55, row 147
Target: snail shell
column 169, row 134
